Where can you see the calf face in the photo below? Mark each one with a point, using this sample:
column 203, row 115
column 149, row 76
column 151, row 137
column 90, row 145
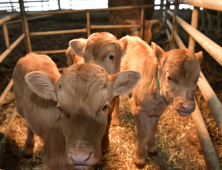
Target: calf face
column 179, row 70
column 83, row 94
column 102, row 48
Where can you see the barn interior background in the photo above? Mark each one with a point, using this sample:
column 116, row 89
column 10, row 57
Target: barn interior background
column 182, row 142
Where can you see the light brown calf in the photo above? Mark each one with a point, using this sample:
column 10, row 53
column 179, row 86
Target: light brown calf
column 103, row 49
column 69, row 111
column 131, row 17
column 167, row 78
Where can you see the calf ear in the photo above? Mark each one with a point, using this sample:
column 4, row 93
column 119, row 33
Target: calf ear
column 41, row 85
column 158, row 53
column 199, row 56
column 78, row 45
column 123, row 44
column 124, row 82
column 155, row 26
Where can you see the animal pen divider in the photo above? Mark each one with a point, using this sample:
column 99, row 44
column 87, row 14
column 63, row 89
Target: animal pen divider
column 210, row 155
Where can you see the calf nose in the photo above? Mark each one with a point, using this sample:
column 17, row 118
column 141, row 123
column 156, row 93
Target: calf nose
column 188, row 108
column 80, row 158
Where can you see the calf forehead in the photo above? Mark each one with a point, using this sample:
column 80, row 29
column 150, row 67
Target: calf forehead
column 97, row 40
column 182, row 62
column 81, row 85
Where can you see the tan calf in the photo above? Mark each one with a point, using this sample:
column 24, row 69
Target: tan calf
column 131, row 17
column 69, row 111
column 103, row 49
column 167, row 78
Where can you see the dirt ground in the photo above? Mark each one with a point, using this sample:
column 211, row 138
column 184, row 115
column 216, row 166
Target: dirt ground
column 176, row 138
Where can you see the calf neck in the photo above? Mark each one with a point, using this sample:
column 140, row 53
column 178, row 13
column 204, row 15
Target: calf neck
column 167, row 78
column 69, row 111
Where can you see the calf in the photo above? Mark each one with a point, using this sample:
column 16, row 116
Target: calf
column 103, row 49
column 69, row 111
column 166, row 78
column 132, row 17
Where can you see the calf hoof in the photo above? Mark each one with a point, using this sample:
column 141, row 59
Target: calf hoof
column 153, row 153
column 27, row 153
column 140, row 163
column 115, row 121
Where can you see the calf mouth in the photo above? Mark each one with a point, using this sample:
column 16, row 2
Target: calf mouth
column 184, row 113
column 81, row 166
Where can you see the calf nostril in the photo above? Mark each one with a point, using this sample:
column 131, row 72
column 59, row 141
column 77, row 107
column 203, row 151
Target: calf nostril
column 188, row 107
column 80, row 158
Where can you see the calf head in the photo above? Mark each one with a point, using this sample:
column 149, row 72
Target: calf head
column 151, row 27
column 179, row 71
column 103, row 49
column 83, row 94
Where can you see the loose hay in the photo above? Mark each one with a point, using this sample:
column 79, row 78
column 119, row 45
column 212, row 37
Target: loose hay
column 176, row 140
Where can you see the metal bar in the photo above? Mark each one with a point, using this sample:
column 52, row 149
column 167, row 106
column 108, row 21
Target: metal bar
column 142, row 24
column 88, row 23
column 4, row 139
column 211, row 99
column 57, row 32
column 5, row 92
column 6, row 35
column 194, row 23
column 91, row 10
column 50, row 52
column 210, row 46
column 114, row 26
column 6, row 52
column 168, row 37
column 208, row 149
column 25, row 27
column 214, row 5
column 173, row 26
column 8, row 18
column 176, row 37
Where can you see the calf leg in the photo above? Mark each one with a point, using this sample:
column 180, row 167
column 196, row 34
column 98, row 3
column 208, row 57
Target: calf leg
column 115, row 114
column 29, row 144
column 141, row 131
column 105, row 140
column 152, row 126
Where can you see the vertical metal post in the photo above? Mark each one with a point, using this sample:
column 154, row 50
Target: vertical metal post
column 173, row 24
column 142, row 23
column 194, row 23
column 88, row 23
column 6, row 35
column 25, row 27
column 165, row 13
column 59, row 5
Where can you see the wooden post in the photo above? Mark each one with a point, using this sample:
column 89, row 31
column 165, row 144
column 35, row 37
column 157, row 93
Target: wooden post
column 142, row 24
column 6, row 35
column 173, row 25
column 88, row 23
column 194, row 23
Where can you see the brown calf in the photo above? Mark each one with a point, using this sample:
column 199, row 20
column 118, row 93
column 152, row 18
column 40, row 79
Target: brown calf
column 103, row 49
column 131, row 17
column 167, row 78
column 69, row 111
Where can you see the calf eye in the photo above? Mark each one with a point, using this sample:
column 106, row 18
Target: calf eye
column 111, row 57
column 59, row 108
column 169, row 78
column 105, row 107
